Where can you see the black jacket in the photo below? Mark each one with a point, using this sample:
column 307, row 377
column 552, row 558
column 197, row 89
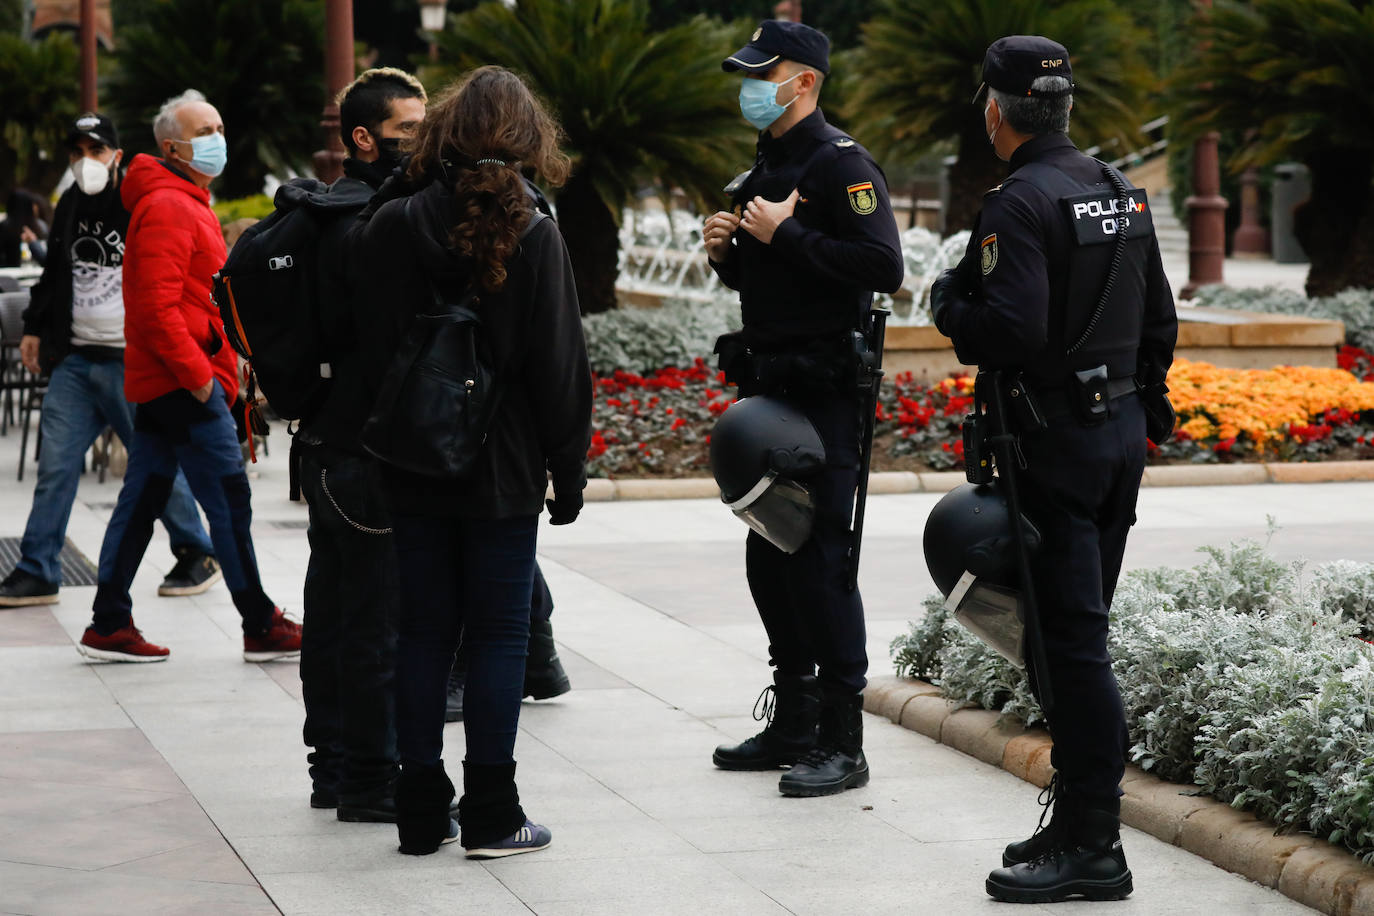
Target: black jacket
column 818, row 274
column 1016, row 270
column 49, row 315
column 533, row 327
column 339, row 421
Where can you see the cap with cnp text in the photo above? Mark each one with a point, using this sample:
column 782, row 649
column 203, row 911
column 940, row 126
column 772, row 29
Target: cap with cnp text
column 778, row 40
column 1013, row 63
column 96, row 127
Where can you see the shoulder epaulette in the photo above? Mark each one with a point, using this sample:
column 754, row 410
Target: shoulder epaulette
column 843, row 142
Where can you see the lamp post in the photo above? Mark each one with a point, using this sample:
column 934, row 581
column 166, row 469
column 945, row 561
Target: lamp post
column 88, row 98
column 1206, row 214
column 338, row 73
column 432, row 16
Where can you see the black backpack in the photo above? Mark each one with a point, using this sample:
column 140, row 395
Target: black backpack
column 268, row 296
column 439, row 394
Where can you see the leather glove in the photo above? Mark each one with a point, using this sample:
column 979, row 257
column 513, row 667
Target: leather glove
column 946, row 288
column 564, row 507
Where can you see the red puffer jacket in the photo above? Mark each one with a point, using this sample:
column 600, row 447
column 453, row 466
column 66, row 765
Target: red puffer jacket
column 172, row 248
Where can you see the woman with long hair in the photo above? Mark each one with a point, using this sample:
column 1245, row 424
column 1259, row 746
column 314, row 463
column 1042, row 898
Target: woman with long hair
column 465, row 546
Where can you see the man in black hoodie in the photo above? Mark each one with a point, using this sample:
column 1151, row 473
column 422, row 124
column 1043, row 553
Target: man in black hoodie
column 74, row 331
column 348, row 651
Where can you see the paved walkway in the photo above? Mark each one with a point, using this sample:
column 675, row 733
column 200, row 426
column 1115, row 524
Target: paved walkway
column 181, row 787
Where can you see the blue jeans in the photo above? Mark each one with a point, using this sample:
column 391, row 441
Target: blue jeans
column 84, row 396
column 469, row 576
column 174, row 431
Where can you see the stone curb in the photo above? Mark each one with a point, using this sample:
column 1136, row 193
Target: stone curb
column 601, row 489
column 1311, row 871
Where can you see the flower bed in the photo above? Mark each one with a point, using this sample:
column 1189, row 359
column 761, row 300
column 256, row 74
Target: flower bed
column 1250, row 678
column 659, row 423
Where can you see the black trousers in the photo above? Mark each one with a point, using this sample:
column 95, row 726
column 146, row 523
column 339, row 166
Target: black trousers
column 348, row 647
column 815, row 625
column 1080, row 490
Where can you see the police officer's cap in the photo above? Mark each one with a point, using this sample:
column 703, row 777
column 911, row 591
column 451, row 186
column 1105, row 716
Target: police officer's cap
column 95, row 127
column 1013, row 63
column 778, row 40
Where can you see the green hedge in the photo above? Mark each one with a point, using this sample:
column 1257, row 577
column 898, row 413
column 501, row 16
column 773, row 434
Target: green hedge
column 1248, row 677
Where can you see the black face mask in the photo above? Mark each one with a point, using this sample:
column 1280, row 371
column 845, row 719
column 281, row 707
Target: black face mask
column 389, row 151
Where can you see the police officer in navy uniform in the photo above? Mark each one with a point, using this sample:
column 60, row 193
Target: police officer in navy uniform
column 1062, row 289
column 811, row 237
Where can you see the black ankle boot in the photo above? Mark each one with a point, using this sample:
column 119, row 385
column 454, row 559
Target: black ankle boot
column 423, row 796
column 1052, row 799
column 1085, row 860
column 792, row 707
column 837, row 761
column 544, row 674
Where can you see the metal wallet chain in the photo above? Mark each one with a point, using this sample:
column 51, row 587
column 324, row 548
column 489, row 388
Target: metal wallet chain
column 344, row 515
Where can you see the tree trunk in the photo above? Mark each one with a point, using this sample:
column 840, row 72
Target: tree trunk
column 1336, row 226
column 593, row 239
column 977, row 170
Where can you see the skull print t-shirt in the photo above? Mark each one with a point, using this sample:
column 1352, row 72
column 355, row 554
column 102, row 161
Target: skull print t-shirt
column 97, row 253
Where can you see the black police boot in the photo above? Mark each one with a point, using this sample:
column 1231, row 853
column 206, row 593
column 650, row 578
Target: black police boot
column 792, row 707
column 457, row 680
column 1084, row 860
column 1042, row 840
column 837, row 761
column 544, row 674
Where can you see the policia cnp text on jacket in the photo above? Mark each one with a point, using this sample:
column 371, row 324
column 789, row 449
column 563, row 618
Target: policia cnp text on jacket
column 811, row 238
column 1028, row 298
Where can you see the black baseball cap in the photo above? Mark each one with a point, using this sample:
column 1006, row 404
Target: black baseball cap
column 777, row 40
column 1012, row 63
column 95, row 126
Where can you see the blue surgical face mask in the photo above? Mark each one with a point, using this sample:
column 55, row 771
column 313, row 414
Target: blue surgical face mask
column 208, row 154
column 758, row 101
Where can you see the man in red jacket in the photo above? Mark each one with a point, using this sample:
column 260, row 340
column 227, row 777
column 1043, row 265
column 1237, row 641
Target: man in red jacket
column 182, row 378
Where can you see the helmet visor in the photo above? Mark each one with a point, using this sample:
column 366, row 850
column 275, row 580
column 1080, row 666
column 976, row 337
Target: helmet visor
column 780, row 509
column 994, row 614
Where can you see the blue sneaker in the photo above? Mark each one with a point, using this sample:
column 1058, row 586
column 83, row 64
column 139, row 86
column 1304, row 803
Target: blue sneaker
column 529, row 838
column 452, row 833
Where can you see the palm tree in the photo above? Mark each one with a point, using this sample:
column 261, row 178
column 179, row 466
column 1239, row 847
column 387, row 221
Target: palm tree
column 37, row 106
column 1293, row 77
column 259, row 63
column 920, row 63
column 639, row 109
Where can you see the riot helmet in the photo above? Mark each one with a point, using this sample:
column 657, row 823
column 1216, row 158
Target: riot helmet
column 761, row 449
column 971, row 554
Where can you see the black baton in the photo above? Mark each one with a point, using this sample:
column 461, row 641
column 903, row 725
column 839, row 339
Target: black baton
column 871, row 369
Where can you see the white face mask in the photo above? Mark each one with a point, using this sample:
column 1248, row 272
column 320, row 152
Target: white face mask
column 92, row 176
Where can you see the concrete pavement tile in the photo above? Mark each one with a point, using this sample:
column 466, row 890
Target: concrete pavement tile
column 48, row 676
column 213, row 860
column 288, row 675
column 31, row 626
column 115, row 758
column 450, row 885
column 54, row 715
column 673, row 877
column 93, row 840
column 583, row 673
column 45, row 891
column 38, row 801
column 735, row 903
column 832, row 825
column 357, row 846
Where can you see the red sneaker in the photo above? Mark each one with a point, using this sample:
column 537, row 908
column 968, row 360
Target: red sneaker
column 282, row 640
column 124, row 645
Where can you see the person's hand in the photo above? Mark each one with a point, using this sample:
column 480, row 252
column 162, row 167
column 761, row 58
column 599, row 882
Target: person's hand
column 28, row 353
column 946, row 288
column 27, row 235
column 203, row 393
column 564, row 507
column 763, row 217
column 717, row 232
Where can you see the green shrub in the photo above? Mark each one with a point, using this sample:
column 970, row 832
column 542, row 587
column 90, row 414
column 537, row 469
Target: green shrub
column 647, row 339
column 1241, row 675
column 255, row 207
